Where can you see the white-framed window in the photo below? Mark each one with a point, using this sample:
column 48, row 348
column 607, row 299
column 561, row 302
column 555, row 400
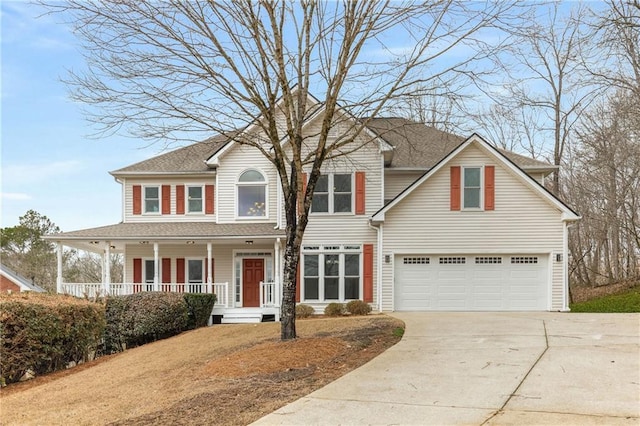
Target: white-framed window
column 333, row 194
column 195, row 199
column 332, row 273
column 148, row 269
column 472, row 187
column 151, row 197
column 195, row 271
column 251, row 192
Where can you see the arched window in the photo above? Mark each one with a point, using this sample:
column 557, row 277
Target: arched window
column 252, row 194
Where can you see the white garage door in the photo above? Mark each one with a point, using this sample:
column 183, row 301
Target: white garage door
column 471, row 282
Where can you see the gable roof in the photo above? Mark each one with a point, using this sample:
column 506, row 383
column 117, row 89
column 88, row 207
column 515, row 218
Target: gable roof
column 24, row 283
column 188, row 159
column 568, row 213
column 418, row 146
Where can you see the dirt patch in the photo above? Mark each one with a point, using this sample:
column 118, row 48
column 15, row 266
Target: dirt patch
column 231, row 374
column 584, row 293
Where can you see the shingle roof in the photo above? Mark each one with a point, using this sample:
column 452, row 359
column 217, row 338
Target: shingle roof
column 188, row 159
column 417, row 145
column 20, row 280
column 171, row 230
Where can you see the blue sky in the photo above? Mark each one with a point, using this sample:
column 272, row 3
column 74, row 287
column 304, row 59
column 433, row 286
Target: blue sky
column 48, row 163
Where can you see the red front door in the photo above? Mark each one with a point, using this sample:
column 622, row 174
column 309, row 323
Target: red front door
column 252, row 274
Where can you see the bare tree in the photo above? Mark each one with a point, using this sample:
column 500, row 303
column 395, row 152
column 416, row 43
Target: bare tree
column 617, row 33
column 545, row 90
column 166, row 70
column 604, row 184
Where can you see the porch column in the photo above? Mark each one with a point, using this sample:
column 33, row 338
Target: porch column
column 276, row 272
column 107, row 268
column 59, row 276
column 156, row 267
column 209, row 271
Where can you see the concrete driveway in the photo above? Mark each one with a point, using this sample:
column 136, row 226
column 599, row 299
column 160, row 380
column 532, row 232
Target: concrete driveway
column 489, row 369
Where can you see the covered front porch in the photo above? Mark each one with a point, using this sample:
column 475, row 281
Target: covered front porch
column 243, row 270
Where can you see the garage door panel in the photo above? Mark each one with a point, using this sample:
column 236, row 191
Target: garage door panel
column 472, row 282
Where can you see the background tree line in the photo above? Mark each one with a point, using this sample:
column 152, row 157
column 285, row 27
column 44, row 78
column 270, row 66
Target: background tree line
column 24, row 251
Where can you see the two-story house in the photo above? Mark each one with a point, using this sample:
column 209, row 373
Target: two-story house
column 417, row 219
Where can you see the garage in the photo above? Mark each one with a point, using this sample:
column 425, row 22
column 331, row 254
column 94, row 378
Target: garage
column 483, row 282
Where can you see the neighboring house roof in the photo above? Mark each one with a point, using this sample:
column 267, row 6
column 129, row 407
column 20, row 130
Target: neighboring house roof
column 500, row 155
column 418, row 146
column 25, row 284
column 188, row 159
column 172, row 230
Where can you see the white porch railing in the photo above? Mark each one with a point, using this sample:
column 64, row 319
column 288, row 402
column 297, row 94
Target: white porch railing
column 268, row 294
column 92, row 290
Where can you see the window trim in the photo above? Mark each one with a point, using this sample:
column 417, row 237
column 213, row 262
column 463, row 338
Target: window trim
column 264, row 184
column 148, row 285
column 480, row 188
column 331, row 196
column 144, row 200
column 330, row 249
column 186, row 198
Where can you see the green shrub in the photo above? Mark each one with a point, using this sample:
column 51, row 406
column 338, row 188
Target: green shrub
column 115, row 332
column 141, row 318
column 358, row 307
column 304, row 311
column 42, row 333
column 334, row 310
column 199, row 307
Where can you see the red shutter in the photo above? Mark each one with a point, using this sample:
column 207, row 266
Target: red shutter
column 455, row 188
column 360, row 185
column 489, row 188
column 137, row 270
column 166, row 274
column 137, row 199
column 298, row 282
column 209, row 199
column 180, row 274
column 179, row 199
column 166, row 199
column 137, row 275
column 367, row 274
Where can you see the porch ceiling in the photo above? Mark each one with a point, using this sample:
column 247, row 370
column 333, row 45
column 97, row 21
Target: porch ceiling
column 122, row 233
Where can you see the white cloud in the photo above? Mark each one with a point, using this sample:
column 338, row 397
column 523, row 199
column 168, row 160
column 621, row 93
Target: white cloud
column 21, row 174
column 15, row 196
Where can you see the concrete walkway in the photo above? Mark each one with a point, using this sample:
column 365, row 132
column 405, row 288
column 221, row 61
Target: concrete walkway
column 489, row 369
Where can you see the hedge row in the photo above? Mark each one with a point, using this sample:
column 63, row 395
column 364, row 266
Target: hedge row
column 44, row 333
column 141, row 318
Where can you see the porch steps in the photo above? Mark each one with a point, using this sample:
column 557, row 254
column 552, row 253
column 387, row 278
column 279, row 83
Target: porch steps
column 241, row 317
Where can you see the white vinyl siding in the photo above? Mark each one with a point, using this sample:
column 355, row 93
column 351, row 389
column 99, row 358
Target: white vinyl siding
column 522, row 222
column 237, row 160
column 172, row 182
column 396, row 182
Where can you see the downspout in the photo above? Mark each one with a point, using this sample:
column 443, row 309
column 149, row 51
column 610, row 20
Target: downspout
column 379, row 231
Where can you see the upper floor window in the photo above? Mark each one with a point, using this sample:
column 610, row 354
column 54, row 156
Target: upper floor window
column 252, row 194
column 152, row 199
column 194, row 199
column 333, row 194
column 472, row 187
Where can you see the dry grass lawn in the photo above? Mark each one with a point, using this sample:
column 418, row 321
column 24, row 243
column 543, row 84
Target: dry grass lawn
column 226, row 374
